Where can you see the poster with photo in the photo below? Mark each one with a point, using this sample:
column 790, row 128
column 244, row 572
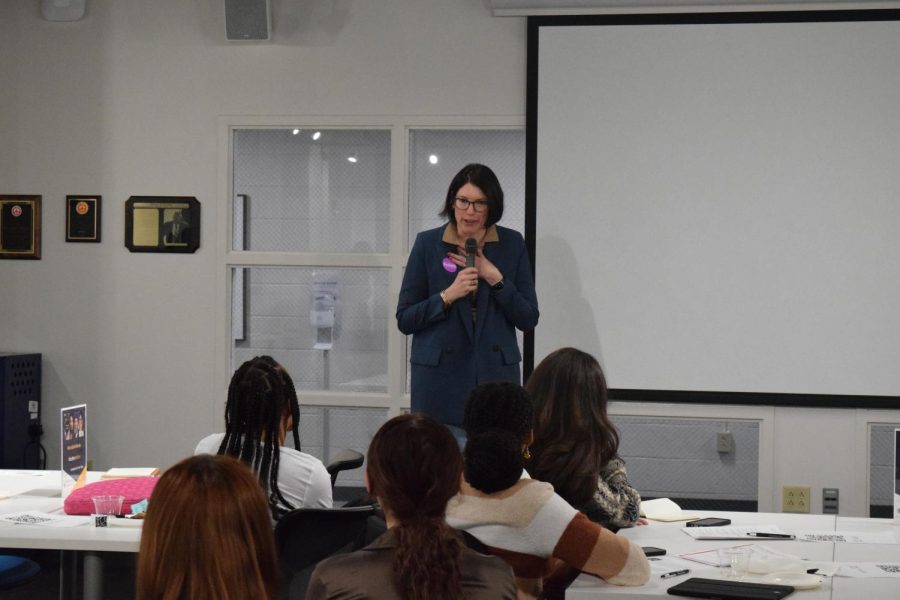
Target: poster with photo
column 74, row 440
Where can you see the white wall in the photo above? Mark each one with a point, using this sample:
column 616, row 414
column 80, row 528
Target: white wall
column 126, row 103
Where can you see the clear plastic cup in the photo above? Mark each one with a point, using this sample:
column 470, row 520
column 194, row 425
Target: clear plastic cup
column 108, row 505
column 734, row 562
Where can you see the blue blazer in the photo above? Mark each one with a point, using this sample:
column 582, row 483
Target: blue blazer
column 449, row 357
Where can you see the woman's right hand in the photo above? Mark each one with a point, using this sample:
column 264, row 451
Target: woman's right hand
column 466, row 282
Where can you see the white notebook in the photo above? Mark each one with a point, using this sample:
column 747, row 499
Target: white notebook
column 664, row 509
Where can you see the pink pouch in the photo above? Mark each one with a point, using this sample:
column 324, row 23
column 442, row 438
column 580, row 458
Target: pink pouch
column 135, row 489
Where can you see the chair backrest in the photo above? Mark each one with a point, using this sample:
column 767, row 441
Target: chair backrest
column 305, row 536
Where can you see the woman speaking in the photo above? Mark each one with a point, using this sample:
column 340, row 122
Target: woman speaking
column 467, row 287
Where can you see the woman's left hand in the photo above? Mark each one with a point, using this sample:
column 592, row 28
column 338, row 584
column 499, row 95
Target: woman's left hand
column 486, row 269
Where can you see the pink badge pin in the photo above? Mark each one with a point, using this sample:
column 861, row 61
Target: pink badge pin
column 449, row 265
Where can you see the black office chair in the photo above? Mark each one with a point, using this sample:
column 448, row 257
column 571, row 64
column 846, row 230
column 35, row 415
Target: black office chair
column 305, row 536
column 345, row 460
column 16, row 571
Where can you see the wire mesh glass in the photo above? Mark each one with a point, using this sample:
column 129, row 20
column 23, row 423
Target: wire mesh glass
column 326, row 430
column 323, row 190
column 328, row 327
column 884, row 475
column 678, row 458
column 436, row 155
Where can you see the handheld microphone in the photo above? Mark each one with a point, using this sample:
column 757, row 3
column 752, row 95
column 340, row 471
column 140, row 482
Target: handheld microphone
column 471, row 251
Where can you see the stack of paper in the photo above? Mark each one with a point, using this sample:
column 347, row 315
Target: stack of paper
column 738, row 532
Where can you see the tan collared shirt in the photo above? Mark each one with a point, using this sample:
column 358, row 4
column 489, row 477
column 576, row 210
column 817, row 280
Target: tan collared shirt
column 451, row 236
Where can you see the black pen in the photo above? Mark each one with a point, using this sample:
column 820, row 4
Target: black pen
column 675, row 573
column 776, row 536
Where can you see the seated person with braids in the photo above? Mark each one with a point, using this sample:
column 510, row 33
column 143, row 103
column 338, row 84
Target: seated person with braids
column 413, row 468
column 522, row 520
column 575, row 444
column 262, row 406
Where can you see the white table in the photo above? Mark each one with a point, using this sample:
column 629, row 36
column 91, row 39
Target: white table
column 40, row 491
column 869, row 589
column 670, row 537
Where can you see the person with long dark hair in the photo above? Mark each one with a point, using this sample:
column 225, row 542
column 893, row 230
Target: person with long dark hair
column 207, row 535
column 575, row 444
column 262, row 407
column 413, row 469
column 520, row 519
column 463, row 319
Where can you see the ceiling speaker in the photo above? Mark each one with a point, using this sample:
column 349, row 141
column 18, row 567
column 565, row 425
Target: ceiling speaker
column 247, row 20
column 62, row 10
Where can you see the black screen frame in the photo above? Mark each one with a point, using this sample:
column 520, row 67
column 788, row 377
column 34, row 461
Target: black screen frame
column 534, row 25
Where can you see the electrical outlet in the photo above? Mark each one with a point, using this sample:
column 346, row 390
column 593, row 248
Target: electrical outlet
column 724, row 442
column 795, row 498
column 829, row 501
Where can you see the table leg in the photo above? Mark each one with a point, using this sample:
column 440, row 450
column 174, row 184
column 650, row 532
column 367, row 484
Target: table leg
column 68, row 575
column 93, row 576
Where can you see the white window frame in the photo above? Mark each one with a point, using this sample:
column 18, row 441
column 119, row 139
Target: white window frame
column 395, row 400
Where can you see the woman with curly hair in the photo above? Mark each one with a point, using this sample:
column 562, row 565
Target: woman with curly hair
column 520, row 519
column 575, row 444
column 413, row 469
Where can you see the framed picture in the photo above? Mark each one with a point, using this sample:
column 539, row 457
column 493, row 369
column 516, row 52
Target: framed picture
column 162, row 224
column 82, row 218
column 20, row 227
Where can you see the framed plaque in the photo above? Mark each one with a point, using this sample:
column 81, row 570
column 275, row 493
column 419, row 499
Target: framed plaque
column 20, row 227
column 82, row 218
column 162, row 224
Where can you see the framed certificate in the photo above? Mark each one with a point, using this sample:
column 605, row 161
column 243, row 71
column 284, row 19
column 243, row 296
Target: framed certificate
column 20, row 227
column 162, row 224
column 82, row 218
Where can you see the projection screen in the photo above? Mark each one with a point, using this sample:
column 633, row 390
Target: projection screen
column 714, row 201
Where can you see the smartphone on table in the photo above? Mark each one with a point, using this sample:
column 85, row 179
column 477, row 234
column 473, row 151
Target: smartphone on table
column 709, row 522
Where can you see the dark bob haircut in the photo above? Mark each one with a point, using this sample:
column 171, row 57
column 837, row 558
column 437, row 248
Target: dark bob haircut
column 484, row 179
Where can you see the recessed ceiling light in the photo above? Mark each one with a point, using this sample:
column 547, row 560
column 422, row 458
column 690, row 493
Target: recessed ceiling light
column 351, row 159
column 295, row 131
column 317, row 135
column 433, row 159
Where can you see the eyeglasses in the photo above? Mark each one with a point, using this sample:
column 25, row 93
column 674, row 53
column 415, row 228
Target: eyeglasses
column 465, row 203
